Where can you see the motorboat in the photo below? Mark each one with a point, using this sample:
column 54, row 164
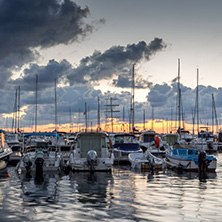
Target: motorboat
column 13, row 142
column 147, row 142
column 205, row 141
column 145, row 161
column 91, row 153
column 65, row 148
column 40, row 157
column 124, row 144
column 190, row 159
column 5, row 152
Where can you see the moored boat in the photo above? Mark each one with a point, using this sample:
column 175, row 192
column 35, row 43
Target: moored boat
column 189, row 159
column 124, row 144
column 5, row 153
column 145, row 161
column 91, row 153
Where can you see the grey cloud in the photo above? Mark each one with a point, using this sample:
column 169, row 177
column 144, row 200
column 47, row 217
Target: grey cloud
column 26, row 25
column 113, row 61
column 125, row 81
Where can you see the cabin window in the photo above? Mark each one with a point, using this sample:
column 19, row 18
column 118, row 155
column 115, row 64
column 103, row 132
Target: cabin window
column 182, row 151
column 104, row 142
column 174, row 152
column 148, row 138
column 119, row 139
column 90, row 142
column 190, row 152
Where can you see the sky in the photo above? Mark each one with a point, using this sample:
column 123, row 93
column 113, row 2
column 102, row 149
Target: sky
column 90, row 46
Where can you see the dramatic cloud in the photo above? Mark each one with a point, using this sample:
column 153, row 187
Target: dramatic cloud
column 26, row 25
column 125, row 81
column 46, row 75
column 113, row 61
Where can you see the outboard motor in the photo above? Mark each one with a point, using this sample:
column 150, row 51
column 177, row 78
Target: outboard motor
column 27, row 162
column 92, row 159
column 210, row 145
column 39, row 160
column 202, row 161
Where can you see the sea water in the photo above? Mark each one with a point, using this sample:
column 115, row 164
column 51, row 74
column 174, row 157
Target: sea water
column 123, row 195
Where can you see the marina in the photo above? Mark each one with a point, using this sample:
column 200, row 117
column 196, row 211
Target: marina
column 110, row 111
column 123, row 195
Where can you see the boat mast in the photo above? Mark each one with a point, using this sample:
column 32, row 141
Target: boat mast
column 144, row 122
column 179, row 98
column 86, row 117
column 98, row 118
column 36, row 102
column 56, row 117
column 133, row 97
column 18, row 107
column 197, row 100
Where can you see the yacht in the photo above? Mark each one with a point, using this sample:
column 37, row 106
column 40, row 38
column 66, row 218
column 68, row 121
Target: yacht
column 91, row 153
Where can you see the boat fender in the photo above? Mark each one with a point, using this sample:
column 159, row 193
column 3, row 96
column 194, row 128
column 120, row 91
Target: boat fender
column 157, row 141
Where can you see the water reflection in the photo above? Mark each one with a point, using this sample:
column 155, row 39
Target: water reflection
column 91, row 187
column 203, row 177
column 39, row 189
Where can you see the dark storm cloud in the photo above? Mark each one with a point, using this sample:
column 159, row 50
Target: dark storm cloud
column 125, row 81
column 113, row 61
column 25, row 25
column 46, row 75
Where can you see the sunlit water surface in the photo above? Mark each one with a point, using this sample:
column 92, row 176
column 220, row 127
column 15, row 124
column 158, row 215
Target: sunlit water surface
column 122, row 195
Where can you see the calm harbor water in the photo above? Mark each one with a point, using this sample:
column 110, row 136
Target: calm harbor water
column 122, row 195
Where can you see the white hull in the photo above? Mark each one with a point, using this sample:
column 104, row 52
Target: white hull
column 51, row 163
column 120, row 155
column 81, row 164
column 139, row 160
column 188, row 165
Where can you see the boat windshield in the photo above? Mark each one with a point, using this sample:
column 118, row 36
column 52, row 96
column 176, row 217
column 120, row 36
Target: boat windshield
column 148, row 138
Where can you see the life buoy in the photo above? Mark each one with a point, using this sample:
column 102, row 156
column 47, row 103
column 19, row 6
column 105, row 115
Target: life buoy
column 157, row 141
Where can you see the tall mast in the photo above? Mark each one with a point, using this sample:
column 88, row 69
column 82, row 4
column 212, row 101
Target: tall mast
column 197, row 101
column 56, row 117
column 144, row 121
column 133, row 97
column 36, row 102
column 152, row 127
column 70, row 120
column 86, row 117
column 18, row 107
column 179, row 97
column 98, row 118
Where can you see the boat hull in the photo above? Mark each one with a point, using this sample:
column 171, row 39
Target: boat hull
column 188, row 165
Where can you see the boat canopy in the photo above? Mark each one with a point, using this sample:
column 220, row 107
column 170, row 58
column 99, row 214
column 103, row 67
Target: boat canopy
column 41, row 134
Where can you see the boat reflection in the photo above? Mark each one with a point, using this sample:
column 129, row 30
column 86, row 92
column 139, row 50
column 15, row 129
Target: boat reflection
column 39, row 188
column 91, row 187
column 203, row 176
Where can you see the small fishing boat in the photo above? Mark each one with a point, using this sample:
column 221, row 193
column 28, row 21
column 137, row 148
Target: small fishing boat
column 189, row 159
column 145, row 161
column 91, row 153
column 124, row 144
column 5, row 153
